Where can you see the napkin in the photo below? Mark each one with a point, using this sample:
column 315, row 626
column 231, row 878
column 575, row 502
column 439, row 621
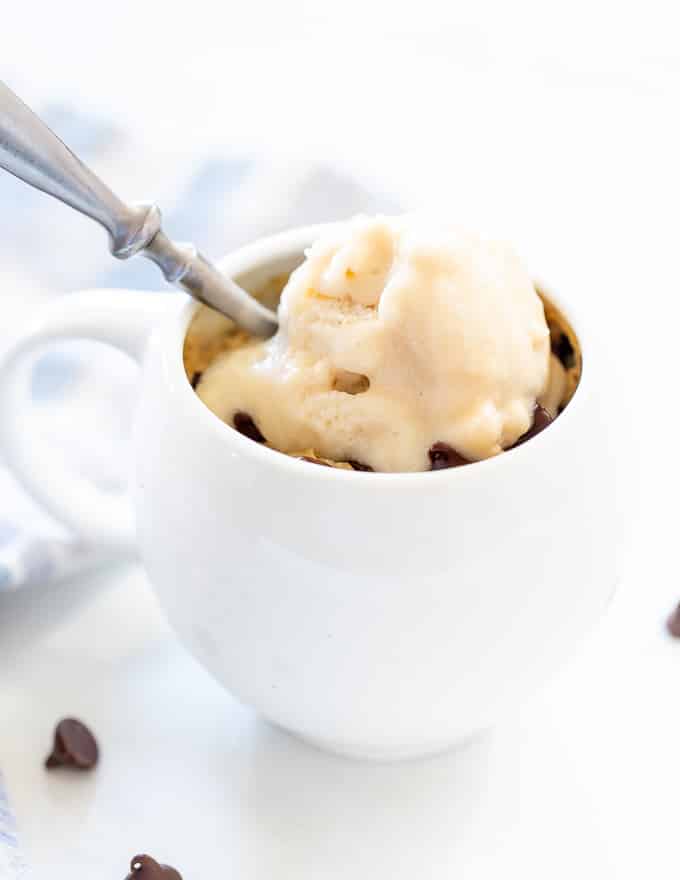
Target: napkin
column 82, row 402
column 12, row 864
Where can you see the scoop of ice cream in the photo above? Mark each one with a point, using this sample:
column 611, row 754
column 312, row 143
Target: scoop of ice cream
column 395, row 334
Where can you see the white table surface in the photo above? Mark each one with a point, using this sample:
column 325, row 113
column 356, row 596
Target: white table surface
column 584, row 782
column 578, row 163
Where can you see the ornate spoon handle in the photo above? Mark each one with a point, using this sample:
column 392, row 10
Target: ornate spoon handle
column 33, row 153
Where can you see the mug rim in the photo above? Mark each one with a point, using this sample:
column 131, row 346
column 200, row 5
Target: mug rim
column 293, row 242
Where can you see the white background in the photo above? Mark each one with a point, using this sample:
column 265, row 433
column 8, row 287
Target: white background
column 557, row 125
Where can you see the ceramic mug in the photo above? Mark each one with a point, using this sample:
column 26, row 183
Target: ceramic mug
column 375, row 615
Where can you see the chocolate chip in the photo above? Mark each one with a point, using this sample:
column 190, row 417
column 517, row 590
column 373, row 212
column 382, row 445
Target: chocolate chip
column 444, row 456
column 564, row 351
column 196, row 378
column 143, row 867
column 74, row 746
column 359, row 465
column 245, row 425
column 673, row 623
column 314, row 460
column 542, row 419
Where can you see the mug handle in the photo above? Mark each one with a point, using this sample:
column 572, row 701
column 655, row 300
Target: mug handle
column 121, row 318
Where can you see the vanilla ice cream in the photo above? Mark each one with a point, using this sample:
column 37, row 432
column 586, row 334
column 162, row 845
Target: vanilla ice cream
column 396, row 334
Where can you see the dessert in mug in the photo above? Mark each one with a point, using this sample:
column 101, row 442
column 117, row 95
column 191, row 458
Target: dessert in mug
column 404, row 345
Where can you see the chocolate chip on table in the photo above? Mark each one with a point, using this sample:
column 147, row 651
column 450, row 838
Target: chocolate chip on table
column 563, row 350
column 542, row 419
column 74, row 746
column 444, row 456
column 359, row 465
column 245, row 425
column 196, row 378
column 143, row 867
column 673, row 623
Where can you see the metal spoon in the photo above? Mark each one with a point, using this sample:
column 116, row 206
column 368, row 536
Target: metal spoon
column 33, row 153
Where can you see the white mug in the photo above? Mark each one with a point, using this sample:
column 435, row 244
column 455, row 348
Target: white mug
column 375, row 615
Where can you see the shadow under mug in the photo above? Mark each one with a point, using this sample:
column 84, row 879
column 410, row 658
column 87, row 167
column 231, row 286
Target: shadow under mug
column 376, row 615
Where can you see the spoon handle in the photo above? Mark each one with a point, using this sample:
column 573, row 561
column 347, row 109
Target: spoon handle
column 34, row 154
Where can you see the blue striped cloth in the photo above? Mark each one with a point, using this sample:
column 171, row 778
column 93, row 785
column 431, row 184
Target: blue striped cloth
column 217, row 201
column 12, row 864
